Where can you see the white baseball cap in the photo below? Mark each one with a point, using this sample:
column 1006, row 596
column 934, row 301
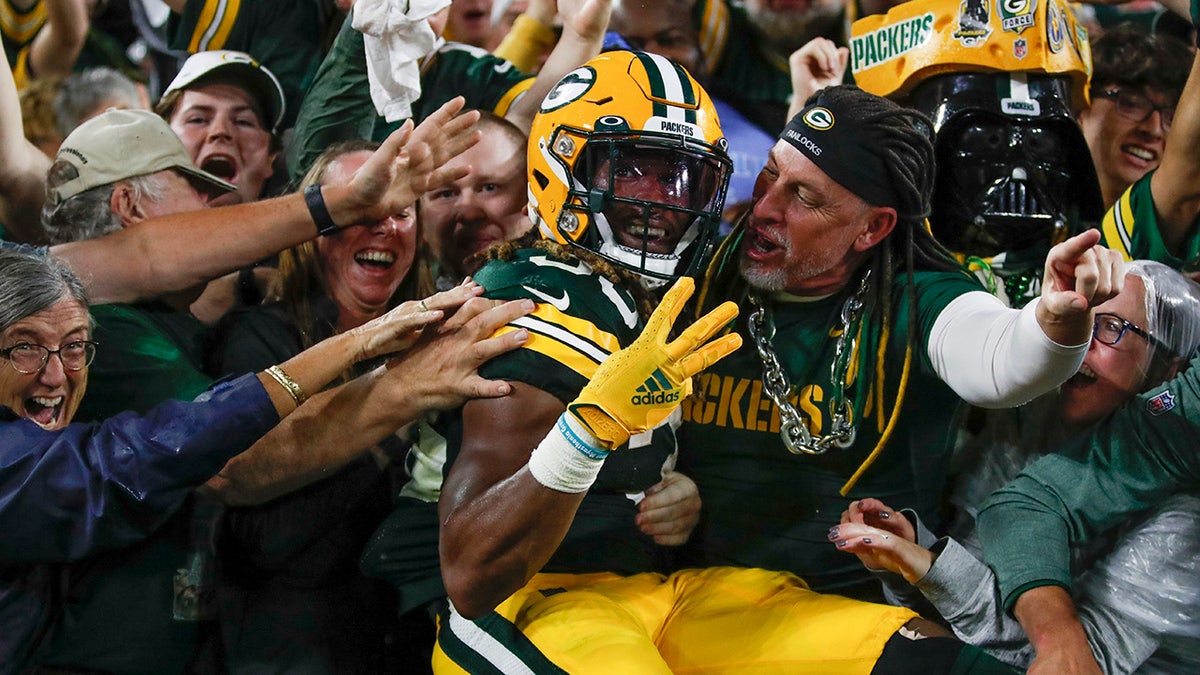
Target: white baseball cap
column 242, row 69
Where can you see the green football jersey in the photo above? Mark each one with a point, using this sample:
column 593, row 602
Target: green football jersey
column 286, row 36
column 581, row 318
column 1131, row 227
column 765, row 507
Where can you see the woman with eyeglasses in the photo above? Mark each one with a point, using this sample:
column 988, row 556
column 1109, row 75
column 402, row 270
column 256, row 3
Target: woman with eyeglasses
column 70, row 490
column 1138, row 592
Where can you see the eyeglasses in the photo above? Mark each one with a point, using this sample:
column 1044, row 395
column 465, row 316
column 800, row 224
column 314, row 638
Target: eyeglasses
column 1110, row 328
column 29, row 358
column 1135, row 107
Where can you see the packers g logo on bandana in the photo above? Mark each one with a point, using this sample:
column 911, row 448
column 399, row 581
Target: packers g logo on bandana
column 819, row 118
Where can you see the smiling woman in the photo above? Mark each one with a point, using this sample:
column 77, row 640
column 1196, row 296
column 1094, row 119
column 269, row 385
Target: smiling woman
column 44, row 337
column 291, row 563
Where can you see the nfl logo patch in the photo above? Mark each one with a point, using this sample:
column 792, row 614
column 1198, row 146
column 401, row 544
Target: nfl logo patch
column 1160, row 403
column 1020, row 48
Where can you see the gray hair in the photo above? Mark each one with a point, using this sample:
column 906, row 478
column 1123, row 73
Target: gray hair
column 84, row 92
column 33, row 282
column 89, row 214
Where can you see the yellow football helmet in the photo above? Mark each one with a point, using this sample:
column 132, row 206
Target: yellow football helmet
column 627, row 160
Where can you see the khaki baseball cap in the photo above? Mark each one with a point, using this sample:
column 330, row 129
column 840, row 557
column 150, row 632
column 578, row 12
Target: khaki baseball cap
column 116, row 145
column 238, row 67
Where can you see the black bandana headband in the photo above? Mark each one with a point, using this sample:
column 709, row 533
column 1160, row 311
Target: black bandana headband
column 841, row 147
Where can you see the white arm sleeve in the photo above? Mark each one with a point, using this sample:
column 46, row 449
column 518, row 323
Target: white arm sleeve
column 993, row 356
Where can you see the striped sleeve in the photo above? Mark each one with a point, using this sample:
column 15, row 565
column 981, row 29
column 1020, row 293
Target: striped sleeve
column 212, row 24
column 566, row 350
column 1117, row 227
column 712, row 21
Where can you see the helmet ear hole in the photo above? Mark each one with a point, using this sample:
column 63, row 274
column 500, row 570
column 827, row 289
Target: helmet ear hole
column 541, row 179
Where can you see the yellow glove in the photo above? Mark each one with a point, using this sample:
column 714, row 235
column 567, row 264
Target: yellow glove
column 637, row 388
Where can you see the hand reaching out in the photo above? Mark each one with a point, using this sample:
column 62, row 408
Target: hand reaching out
column 412, row 160
column 882, row 539
column 399, row 328
column 440, row 369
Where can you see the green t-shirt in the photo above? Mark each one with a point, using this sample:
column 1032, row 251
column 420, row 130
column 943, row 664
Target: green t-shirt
column 1131, row 227
column 765, row 507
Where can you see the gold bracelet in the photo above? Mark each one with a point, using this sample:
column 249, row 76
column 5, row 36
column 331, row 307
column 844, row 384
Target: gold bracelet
column 292, row 387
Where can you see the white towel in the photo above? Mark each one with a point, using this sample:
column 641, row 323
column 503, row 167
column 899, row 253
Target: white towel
column 396, row 37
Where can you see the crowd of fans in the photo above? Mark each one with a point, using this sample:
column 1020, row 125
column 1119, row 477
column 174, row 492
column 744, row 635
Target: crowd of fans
column 305, row 308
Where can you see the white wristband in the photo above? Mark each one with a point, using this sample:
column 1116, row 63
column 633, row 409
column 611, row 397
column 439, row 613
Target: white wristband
column 568, row 458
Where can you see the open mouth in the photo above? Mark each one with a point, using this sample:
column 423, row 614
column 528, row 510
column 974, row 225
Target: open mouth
column 220, row 166
column 1082, row 378
column 375, row 259
column 44, row 410
column 755, row 245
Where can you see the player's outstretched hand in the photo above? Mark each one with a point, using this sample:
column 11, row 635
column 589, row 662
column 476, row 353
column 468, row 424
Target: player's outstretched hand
column 636, row 388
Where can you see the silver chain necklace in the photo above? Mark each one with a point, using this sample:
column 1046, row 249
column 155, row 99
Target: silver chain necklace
column 793, row 424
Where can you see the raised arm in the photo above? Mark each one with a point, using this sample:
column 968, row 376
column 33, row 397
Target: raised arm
column 818, row 64
column 997, row 357
column 22, row 169
column 182, row 250
column 584, row 23
column 1175, row 186
column 57, row 45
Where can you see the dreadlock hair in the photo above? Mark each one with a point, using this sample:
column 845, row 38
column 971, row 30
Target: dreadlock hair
column 903, row 137
column 620, row 276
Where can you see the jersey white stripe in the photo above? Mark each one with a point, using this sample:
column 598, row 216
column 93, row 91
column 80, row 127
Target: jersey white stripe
column 562, row 335
column 486, row 646
column 1123, row 228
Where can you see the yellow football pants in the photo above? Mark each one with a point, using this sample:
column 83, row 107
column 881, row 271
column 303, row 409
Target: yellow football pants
column 716, row 620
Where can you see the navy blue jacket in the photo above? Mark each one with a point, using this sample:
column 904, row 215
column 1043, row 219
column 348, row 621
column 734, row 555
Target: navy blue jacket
column 86, row 488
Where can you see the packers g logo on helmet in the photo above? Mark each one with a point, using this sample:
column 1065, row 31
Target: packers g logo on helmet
column 569, row 89
column 627, row 160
